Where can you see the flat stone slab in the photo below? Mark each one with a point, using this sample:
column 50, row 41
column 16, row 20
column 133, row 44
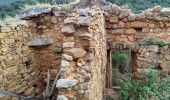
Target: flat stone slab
column 76, row 52
column 165, row 12
column 40, row 42
column 66, row 83
column 35, row 11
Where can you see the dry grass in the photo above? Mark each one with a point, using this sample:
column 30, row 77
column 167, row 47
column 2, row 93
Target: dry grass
column 10, row 20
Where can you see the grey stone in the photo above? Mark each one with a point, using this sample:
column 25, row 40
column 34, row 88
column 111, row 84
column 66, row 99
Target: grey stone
column 165, row 12
column 35, row 11
column 68, row 44
column 157, row 8
column 62, row 97
column 124, row 14
column 83, row 21
column 132, row 17
column 66, row 83
column 64, row 63
column 40, row 41
column 153, row 48
column 68, row 29
column 67, row 57
column 76, row 52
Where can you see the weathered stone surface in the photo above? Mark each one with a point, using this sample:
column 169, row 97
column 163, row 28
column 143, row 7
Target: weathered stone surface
column 67, row 57
column 114, row 19
column 68, row 44
column 76, row 52
column 124, row 13
column 166, row 66
column 40, row 41
column 62, row 97
column 83, row 21
column 86, row 36
column 137, row 24
column 153, row 48
column 167, row 57
column 68, row 29
column 66, row 83
column 165, row 12
column 5, row 29
column 65, row 63
column 132, row 17
column 35, row 11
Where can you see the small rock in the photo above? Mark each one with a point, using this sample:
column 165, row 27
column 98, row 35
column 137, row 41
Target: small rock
column 132, row 17
column 66, row 83
column 68, row 29
column 153, row 48
column 64, row 63
column 114, row 19
column 62, row 97
column 67, row 57
column 124, row 13
column 76, row 52
column 68, row 44
column 166, row 66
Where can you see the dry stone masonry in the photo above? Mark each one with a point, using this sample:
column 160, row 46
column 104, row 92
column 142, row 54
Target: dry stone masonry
column 79, row 43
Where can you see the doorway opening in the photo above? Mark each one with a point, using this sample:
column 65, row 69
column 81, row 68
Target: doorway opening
column 119, row 67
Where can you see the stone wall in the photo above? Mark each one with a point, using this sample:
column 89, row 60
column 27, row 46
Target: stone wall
column 84, row 59
column 19, row 64
column 128, row 31
column 77, row 43
column 48, row 26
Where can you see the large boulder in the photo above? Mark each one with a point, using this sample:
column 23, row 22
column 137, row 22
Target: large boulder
column 66, row 83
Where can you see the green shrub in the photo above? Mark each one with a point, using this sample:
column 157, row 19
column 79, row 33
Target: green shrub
column 120, row 57
column 155, row 41
column 146, row 88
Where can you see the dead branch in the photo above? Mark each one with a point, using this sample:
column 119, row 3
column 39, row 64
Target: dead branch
column 48, row 94
column 2, row 91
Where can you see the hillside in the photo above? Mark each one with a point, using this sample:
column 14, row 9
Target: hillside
column 6, row 1
column 14, row 7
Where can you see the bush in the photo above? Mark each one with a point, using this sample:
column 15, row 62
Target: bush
column 155, row 41
column 146, row 88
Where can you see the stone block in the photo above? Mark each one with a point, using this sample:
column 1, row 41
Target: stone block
column 67, row 57
column 83, row 21
column 114, row 19
column 68, row 44
column 66, row 83
column 40, row 42
column 166, row 66
column 68, row 29
column 165, row 12
column 76, row 52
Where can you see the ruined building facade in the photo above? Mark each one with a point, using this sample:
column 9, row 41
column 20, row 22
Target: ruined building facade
column 81, row 43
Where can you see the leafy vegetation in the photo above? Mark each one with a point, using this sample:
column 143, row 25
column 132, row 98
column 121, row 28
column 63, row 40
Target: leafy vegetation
column 148, row 87
column 14, row 8
column 155, row 41
column 120, row 57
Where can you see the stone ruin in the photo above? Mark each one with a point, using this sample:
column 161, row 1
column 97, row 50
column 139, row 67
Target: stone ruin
column 80, row 44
